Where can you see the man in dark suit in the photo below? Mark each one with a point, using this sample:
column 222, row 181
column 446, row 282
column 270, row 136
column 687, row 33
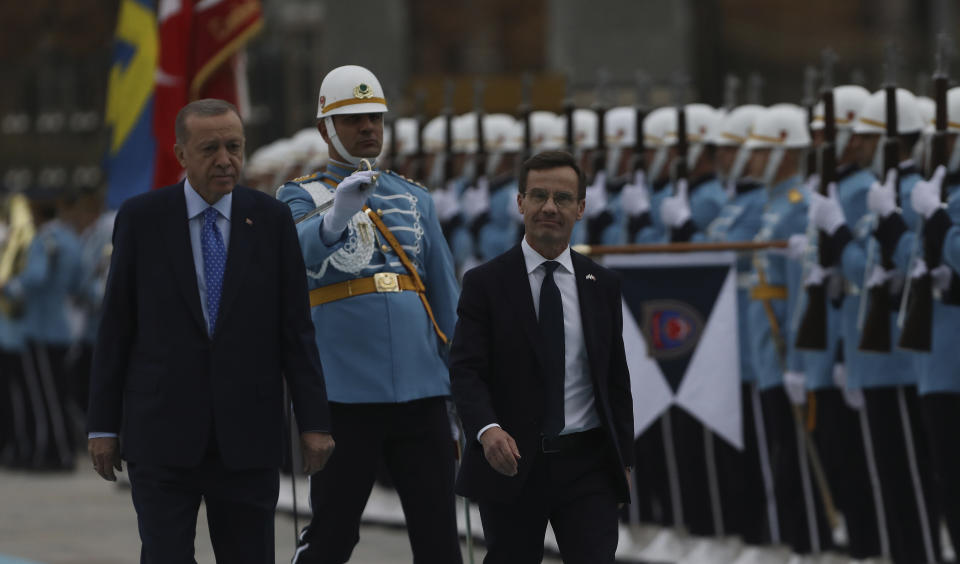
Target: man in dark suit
column 540, row 380
column 205, row 314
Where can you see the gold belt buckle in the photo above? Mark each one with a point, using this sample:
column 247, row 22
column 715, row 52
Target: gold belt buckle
column 386, row 282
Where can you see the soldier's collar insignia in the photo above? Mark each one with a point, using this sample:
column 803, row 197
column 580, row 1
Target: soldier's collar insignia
column 362, row 91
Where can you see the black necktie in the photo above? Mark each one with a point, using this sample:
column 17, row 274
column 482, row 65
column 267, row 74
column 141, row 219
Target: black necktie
column 551, row 336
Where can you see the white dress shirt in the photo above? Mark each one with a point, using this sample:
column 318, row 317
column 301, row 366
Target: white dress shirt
column 579, row 404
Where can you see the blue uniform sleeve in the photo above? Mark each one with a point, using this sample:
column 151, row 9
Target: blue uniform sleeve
column 706, row 203
column 35, row 272
column 793, row 277
column 297, row 199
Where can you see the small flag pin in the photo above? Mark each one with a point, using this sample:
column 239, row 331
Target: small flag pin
column 249, row 221
column 591, row 277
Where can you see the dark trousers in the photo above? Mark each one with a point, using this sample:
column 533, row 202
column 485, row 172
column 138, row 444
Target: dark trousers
column 414, row 442
column 11, row 406
column 48, row 439
column 941, row 415
column 240, row 508
column 785, row 459
column 885, row 411
column 575, row 492
column 839, row 441
column 741, row 480
column 652, row 486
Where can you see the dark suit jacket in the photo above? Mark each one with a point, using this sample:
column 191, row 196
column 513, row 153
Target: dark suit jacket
column 495, row 369
column 156, row 370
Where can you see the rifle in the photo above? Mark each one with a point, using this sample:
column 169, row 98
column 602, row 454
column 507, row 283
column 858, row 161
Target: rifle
column 917, row 328
column 481, row 154
column 812, row 332
column 600, row 107
column 524, row 111
column 569, row 106
column 809, row 102
column 417, row 168
column 730, row 87
column 680, row 165
column 448, row 132
column 640, row 107
column 875, row 336
column 755, row 89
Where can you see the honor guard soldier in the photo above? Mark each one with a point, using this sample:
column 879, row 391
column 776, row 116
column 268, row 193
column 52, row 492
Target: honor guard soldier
column 778, row 143
column 697, row 201
column 49, row 277
column 446, row 192
column 841, row 421
column 647, row 225
column 503, row 137
column 383, row 293
column 890, row 391
column 938, row 379
column 739, row 220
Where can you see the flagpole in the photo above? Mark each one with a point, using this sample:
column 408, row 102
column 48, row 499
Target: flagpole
column 596, row 250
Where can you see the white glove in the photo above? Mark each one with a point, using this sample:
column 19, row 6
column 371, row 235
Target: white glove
column 795, row 385
column 926, row 193
column 476, row 199
column 634, row 199
column 852, row 397
column 882, row 198
column 813, row 183
column 596, row 196
column 348, row 199
column 513, row 210
column 826, row 213
column 675, row 210
column 445, row 203
column 797, row 246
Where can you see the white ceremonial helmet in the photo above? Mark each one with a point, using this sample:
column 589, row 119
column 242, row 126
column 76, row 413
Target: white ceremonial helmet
column 734, row 126
column 847, row 103
column 546, row 131
column 349, row 89
column 502, row 134
column 584, row 129
column 405, row 130
column 702, row 122
column 872, row 118
column 435, row 135
column 927, row 108
column 620, row 133
column 655, row 127
column 953, row 127
column 780, row 127
column 465, row 133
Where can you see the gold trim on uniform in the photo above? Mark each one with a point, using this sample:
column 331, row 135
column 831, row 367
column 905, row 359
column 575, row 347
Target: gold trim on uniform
column 352, row 101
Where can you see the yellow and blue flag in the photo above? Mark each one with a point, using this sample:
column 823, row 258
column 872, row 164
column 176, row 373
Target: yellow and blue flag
column 129, row 115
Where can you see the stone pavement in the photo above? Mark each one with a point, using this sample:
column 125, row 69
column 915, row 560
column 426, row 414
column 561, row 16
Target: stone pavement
column 77, row 518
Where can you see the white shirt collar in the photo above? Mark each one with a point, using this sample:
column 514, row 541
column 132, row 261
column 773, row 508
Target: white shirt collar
column 196, row 204
column 535, row 259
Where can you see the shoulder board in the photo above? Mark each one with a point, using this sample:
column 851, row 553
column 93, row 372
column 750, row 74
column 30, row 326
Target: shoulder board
column 795, row 196
column 305, row 178
column 410, row 180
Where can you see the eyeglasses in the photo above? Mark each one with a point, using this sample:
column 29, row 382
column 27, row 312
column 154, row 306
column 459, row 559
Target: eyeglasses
column 539, row 197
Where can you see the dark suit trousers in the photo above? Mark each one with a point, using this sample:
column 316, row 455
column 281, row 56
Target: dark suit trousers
column 576, row 493
column 240, row 508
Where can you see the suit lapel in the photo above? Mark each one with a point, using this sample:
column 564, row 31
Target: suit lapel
column 588, row 292
column 517, row 289
column 181, row 254
column 239, row 253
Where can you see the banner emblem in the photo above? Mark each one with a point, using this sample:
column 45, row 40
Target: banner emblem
column 672, row 328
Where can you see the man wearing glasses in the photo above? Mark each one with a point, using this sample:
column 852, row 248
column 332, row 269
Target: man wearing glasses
column 540, row 380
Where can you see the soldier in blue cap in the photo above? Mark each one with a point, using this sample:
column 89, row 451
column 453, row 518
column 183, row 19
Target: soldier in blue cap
column 383, row 293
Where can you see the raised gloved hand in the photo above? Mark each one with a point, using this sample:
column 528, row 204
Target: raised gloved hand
column 596, row 196
column 446, row 204
column 634, row 198
column 795, row 385
column 853, row 397
column 882, row 198
column 925, row 196
column 797, row 246
column 348, row 199
column 825, row 212
column 675, row 210
column 476, row 199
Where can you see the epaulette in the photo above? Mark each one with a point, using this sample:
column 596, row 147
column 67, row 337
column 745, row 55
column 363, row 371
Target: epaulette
column 410, row 180
column 305, row 178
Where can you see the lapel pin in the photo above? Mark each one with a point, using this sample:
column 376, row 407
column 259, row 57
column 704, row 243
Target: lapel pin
column 591, row 277
column 249, row 221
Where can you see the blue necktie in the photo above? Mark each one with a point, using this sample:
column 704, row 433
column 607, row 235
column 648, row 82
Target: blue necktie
column 214, row 263
column 552, row 341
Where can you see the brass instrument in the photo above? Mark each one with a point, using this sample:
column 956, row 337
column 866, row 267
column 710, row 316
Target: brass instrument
column 13, row 256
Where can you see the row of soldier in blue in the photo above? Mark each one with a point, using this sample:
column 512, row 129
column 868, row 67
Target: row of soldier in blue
column 55, row 252
column 884, row 452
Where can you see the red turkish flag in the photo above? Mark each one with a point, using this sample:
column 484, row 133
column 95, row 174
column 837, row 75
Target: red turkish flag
column 200, row 56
